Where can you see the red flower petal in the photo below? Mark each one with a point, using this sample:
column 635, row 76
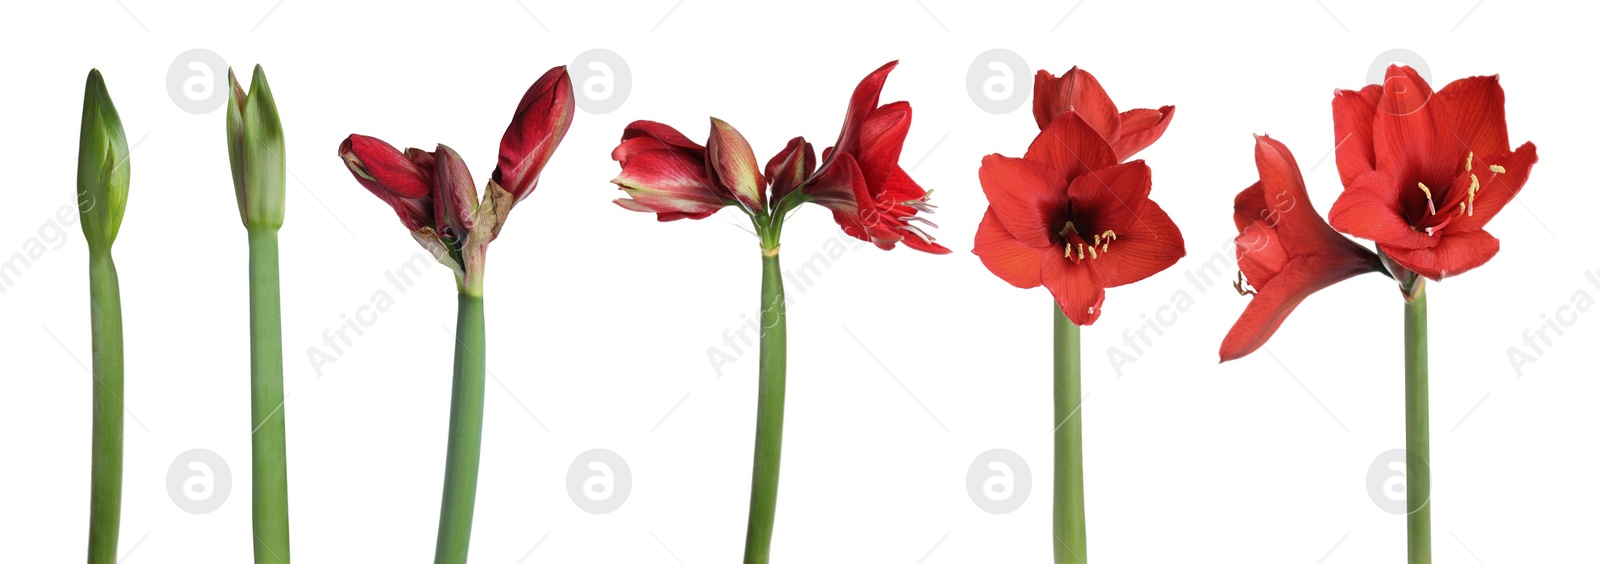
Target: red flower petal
column 663, row 134
column 1454, row 254
column 791, row 167
column 391, row 176
column 1141, row 128
column 1076, row 287
column 1025, row 195
column 1076, row 91
column 1151, row 246
column 540, row 122
column 862, row 102
column 1496, row 190
column 455, row 197
column 670, row 184
column 1260, row 253
column 1071, row 147
column 882, row 135
column 1412, row 139
column 1005, row 256
column 1353, row 112
column 1476, row 107
column 734, row 166
column 1300, row 277
column 1370, row 209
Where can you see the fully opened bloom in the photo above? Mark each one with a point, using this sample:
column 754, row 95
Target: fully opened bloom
column 1285, row 250
column 433, row 192
column 859, row 179
column 1068, row 217
column 1424, row 171
column 1077, row 91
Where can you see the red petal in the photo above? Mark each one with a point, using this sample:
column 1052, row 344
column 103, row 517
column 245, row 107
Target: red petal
column 1249, row 206
column 1476, row 107
column 882, row 135
column 379, row 166
column 1112, row 197
column 1005, row 256
column 1025, row 195
column 1071, row 147
column 862, row 102
column 1299, row 278
column 455, row 197
column 660, row 132
column 734, row 166
column 1370, row 209
column 1153, row 245
column 1260, row 253
column 1141, row 128
column 1456, row 253
column 537, row 127
column 1495, row 190
column 1353, row 113
column 668, row 183
column 1076, row 91
column 1412, row 139
column 1076, row 287
column 791, row 167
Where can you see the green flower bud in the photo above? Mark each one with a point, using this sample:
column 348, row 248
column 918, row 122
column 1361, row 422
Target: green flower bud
column 102, row 166
column 255, row 151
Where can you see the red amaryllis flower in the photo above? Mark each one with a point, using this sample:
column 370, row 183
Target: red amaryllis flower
column 433, row 192
column 860, row 179
column 1424, row 171
column 1286, row 251
column 1078, row 91
column 1068, row 217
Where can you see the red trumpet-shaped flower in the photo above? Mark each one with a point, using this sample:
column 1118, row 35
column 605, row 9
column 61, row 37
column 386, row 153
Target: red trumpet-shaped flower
column 1077, row 91
column 1424, row 171
column 433, row 192
column 1286, row 251
column 859, row 179
column 1068, row 217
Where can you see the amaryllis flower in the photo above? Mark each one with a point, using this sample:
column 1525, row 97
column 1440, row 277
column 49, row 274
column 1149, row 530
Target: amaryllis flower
column 1286, row 251
column 861, row 181
column 434, row 194
column 1068, row 217
column 859, row 178
column 1424, row 171
column 1077, row 91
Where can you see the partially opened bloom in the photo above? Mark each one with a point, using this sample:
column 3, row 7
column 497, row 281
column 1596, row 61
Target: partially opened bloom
column 1424, row 171
column 436, row 199
column 434, row 194
column 1069, row 217
column 1285, row 250
column 1077, row 91
column 859, row 179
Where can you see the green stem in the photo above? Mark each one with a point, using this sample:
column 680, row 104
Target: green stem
column 105, row 475
column 269, row 477
column 769, row 412
column 466, row 435
column 1071, row 538
column 1419, row 529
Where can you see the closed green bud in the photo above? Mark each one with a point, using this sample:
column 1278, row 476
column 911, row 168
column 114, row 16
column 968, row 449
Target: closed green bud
column 102, row 166
column 255, row 151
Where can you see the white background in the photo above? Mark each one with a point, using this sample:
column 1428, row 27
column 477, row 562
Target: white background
column 600, row 319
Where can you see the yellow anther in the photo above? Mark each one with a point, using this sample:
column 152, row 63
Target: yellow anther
column 1080, row 251
column 1429, row 194
column 1497, row 169
column 1472, row 194
column 1469, row 161
column 1092, row 254
column 1109, row 234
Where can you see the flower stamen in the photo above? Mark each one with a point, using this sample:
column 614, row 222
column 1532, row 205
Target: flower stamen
column 1429, row 194
column 1497, row 169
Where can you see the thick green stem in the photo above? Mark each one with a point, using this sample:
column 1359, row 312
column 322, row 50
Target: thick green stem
column 1071, row 538
column 1419, row 528
column 769, row 413
column 269, row 477
column 466, row 435
column 105, row 475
